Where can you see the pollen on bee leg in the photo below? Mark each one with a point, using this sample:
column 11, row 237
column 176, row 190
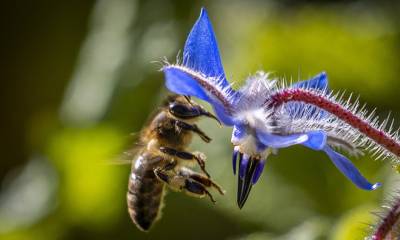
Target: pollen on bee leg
column 200, row 155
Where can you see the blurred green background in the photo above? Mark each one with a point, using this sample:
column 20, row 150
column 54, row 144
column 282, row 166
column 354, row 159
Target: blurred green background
column 79, row 78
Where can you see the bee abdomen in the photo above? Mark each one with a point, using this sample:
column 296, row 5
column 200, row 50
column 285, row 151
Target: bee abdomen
column 144, row 197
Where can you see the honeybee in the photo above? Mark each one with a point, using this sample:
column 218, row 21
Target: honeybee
column 162, row 160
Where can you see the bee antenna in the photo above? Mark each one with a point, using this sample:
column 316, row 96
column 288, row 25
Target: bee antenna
column 188, row 99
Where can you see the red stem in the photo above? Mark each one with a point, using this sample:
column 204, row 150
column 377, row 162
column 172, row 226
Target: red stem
column 307, row 96
column 388, row 224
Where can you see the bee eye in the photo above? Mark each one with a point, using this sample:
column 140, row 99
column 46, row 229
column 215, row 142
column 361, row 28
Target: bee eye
column 186, row 112
column 183, row 111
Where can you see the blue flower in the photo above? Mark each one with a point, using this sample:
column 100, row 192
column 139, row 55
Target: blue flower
column 259, row 129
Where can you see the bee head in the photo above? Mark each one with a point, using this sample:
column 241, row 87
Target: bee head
column 183, row 107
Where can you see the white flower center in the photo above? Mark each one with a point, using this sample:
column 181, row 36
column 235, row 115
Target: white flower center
column 246, row 138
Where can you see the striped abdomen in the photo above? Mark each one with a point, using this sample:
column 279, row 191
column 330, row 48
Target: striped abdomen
column 145, row 192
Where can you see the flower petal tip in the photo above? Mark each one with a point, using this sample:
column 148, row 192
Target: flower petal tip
column 349, row 170
column 203, row 12
column 201, row 50
column 376, row 185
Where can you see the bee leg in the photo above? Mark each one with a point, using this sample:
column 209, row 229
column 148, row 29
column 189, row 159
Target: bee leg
column 182, row 181
column 201, row 179
column 194, row 128
column 200, row 158
column 170, row 165
column 162, row 175
column 197, row 189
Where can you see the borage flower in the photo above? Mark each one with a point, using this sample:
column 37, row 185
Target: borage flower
column 267, row 115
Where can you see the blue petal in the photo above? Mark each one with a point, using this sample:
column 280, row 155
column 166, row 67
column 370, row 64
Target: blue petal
column 202, row 74
column 316, row 140
column 278, row 141
column 201, row 50
column 258, row 171
column 349, row 170
column 222, row 114
column 320, row 82
column 183, row 82
column 238, row 133
column 313, row 139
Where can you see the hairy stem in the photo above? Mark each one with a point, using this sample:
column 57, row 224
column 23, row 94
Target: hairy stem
column 310, row 97
column 388, row 227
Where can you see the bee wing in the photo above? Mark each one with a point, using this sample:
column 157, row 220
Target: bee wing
column 119, row 161
column 126, row 157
